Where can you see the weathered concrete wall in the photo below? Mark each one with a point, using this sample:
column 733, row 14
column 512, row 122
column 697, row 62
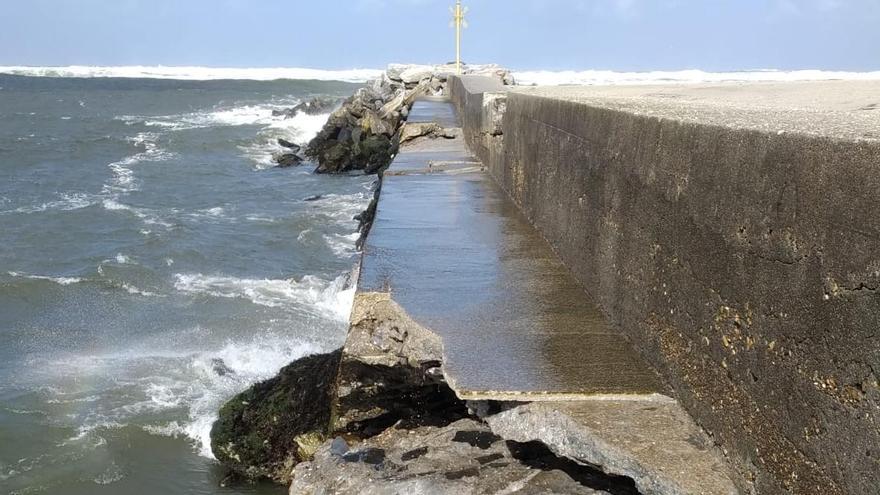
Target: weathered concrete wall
column 744, row 265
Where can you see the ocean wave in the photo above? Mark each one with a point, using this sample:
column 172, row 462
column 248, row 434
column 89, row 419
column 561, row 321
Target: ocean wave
column 196, row 382
column 343, row 246
column 67, row 202
column 332, row 299
column 342, row 207
column 57, row 280
column 245, row 363
column 608, row 77
column 299, row 129
column 193, row 73
column 147, row 215
column 123, row 180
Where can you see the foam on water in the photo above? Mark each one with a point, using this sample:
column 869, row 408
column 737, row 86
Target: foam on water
column 608, row 77
column 123, row 180
column 332, row 299
column 342, row 245
column 169, row 375
column 66, row 202
column 196, row 73
column 57, row 280
column 299, row 129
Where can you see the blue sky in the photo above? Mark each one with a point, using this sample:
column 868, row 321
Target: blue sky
column 522, row 34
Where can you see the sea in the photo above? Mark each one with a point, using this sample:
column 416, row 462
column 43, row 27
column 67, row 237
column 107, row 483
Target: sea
column 154, row 263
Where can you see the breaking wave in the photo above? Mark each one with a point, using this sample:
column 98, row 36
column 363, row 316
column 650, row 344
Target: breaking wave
column 195, row 73
column 57, row 280
column 332, row 299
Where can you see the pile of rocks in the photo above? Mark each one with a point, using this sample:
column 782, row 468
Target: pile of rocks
column 365, row 132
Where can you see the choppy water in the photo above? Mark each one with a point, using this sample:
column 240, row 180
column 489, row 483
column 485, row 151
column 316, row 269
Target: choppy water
column 152, row 265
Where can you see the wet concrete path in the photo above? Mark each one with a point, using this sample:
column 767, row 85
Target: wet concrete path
column 461, row 260
column 458, row 256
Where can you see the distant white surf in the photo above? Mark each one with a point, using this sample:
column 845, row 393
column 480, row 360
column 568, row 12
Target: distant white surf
column 192, row 73
column 608, row 77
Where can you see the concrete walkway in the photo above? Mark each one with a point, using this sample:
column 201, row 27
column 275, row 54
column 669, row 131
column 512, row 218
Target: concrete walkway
column 458, row 257
column 461, row 260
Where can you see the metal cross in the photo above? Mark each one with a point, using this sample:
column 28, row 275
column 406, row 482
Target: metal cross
column 458, row 21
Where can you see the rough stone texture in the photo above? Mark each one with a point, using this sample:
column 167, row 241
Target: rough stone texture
column 414, row 131
column 265, row 430
column 287, row 159
column 742, row 261
column 653, row 442
column 463, row 458
column 363, row 134
column 390, row 371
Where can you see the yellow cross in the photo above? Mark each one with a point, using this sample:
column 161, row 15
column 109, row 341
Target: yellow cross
column 458, row 13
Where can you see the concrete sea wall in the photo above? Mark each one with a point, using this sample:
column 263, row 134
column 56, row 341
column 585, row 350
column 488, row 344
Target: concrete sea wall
column 743, row 264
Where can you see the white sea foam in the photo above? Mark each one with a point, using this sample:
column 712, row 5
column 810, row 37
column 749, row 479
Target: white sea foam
column 299, row 129
column 204, row 393
column 341, row 207
column 342, row 245
column 196, row 73
column 148, row 216
column 332, row 299
column 607, row 77
column 123, row 180
column 166, row 381
column 138, row 292
column 57, row 280
column 66, row 202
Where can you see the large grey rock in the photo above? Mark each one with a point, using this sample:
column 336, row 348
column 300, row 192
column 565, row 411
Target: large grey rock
column 416, row 73
column 264, row 431
column 462, row 458
column 413, row 131
column 654, row 442
column 390, row 370
column 287, row 159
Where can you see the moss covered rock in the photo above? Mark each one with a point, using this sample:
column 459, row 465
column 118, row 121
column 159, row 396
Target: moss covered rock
column 266, row 430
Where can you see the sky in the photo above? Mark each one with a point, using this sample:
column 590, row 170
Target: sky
column 638, row 35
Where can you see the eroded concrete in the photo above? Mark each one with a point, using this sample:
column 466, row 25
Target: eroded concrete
column 653, row 442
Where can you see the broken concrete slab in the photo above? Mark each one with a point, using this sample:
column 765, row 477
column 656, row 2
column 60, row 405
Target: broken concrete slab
column 464, row 457
column 654, row 442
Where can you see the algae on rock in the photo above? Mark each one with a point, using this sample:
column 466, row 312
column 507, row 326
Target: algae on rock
column 264, row 431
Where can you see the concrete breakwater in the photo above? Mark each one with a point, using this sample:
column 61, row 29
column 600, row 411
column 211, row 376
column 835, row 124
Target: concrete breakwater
column 730, row 233
column 474, row 363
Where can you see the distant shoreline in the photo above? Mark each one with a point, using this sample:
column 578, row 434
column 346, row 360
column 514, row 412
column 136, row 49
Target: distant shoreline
column 359, row 75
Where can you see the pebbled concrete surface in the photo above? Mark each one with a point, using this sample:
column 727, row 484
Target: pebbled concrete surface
column 848, row 110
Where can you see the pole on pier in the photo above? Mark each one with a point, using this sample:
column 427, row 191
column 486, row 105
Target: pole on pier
column 458, row 21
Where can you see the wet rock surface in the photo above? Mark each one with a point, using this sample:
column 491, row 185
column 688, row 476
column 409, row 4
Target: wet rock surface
column 464, row 457
column 313, row 106
column 365, row 132
column 264, row 431
column 390, row 372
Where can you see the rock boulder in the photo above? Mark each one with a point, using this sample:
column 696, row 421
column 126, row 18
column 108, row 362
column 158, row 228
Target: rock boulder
column 266, row 430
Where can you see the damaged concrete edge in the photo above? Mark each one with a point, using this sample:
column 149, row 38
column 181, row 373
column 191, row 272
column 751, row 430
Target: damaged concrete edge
column 513, row 396
column 648, row 438
column 657, row 445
